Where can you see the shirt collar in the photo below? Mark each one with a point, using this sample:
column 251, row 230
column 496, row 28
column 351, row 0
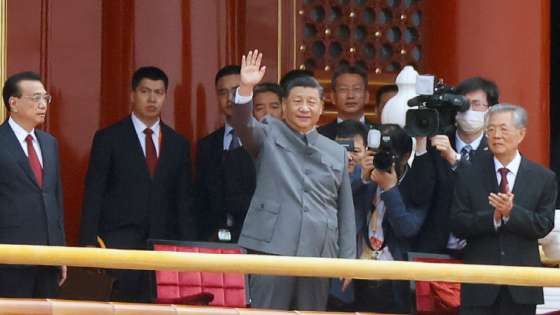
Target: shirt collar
column 227, row 130
column 459, row 144
column 139, row 126
column 21, row 133
column 513, row 166
column 362, row 119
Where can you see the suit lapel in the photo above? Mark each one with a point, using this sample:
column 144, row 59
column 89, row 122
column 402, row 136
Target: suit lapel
column 523, row 177
column 131, row 139
column 48, row 153
column 9, row 138
column 488, row 175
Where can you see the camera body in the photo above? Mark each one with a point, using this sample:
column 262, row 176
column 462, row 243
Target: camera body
column 384, row 157
column 437, row 107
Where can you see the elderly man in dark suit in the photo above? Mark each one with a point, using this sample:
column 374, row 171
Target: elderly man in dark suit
column 31, row 210
column 303, row 202
column 503, row 204
column 139, row 182
column 349, row 94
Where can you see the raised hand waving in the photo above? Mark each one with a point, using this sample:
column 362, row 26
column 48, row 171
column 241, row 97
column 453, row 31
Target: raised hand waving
column 251, row 72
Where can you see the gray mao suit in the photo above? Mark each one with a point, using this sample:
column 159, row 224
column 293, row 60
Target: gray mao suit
column 302, row 206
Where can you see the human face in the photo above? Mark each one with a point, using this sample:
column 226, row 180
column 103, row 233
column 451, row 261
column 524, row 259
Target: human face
column 350, row 95
column 478, row 100
column 302, row 108
column 24, row 110
column 503, row 136
column 225, row 89
column 267, row 103
column 385, row 97
column 355, row 157
column 147, row 100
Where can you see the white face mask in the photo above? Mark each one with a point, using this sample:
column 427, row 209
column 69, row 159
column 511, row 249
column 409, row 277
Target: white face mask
column 470, row 121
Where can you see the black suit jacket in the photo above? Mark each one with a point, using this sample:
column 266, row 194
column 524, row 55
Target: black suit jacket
column 30, row 214
column 515, row 243
column 329, row 130
column 122, row 204
column 225, row 183
column 434, row 235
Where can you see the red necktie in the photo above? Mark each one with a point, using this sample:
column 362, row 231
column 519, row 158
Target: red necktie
column 503, row 171
column 151, row 156
column 34, row 161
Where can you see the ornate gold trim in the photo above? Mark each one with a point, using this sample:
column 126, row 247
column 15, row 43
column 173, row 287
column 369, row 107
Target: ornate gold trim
column 3, row 51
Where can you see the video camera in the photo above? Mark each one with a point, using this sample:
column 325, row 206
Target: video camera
column 437, row 107
column 385, row 157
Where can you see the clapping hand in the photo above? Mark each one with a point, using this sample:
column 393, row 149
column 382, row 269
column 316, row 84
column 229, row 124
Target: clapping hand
column 251, row 72
column 502, row 202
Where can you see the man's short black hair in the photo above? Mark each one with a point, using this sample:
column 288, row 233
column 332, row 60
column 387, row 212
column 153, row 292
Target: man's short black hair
column 152, row 73
column 227, row 70
column 269, row 87
column 292, row 75
column 11, row 87
column 400, row 140
column 351, row 128
column 478, row 83
column 304, row 81
column 385, row 89
column 345, row 69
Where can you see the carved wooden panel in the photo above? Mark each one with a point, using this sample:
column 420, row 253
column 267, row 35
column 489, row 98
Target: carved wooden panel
column 381, row 36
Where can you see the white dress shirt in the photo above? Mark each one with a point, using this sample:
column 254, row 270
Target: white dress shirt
column 362, row 119
column 21, row 134
column 459, row 144
column 139, row 126
column 513, row 168
column 228, row 137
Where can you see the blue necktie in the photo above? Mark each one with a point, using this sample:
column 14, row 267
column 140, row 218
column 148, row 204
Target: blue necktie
column 465, row 153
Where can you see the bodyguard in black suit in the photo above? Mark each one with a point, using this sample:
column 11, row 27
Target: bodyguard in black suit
column 139, row 182
column 503, row 204
column 349, row 94
column 31, row 210
column 450, row 153
column 225, row 173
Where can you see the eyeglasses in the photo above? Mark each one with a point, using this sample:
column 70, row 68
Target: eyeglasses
column 479, row 106
column 491, row 130
column 39, row 98
column 355, row 89
column 224, row 93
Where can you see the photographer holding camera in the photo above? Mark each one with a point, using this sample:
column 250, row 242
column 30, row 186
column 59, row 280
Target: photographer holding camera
column 399, row 209
column 458, row 147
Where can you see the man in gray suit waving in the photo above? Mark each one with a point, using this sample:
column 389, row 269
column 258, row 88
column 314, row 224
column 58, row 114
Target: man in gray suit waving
column 302, row 205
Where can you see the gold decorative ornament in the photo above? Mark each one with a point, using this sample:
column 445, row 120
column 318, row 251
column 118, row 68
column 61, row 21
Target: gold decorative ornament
column 378, row 71
column 302, row 47
column 328, row 31
column 352, row 14
column 327, row 68
column 403, row 17
column 403, row 52
column 301, row 12
column 302, row 67
column 378, row 34
column 352, row 50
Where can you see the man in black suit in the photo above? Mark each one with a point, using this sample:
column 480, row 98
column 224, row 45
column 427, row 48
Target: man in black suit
column 349, row 94
column 225, row 173
column 139, row 182
column 503, row 204
column 31, row 210
column 450, row 152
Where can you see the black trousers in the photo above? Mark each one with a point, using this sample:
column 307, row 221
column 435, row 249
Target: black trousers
column 504, row 305
column 40, row 282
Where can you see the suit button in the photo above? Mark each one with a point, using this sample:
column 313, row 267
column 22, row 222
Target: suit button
column 306, row 209
column 309, row 153
column 503, row 253
column 262, row 206
column 307, row 172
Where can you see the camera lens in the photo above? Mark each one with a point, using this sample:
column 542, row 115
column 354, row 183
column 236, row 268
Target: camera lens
column 383, row 161
column 422, row 122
